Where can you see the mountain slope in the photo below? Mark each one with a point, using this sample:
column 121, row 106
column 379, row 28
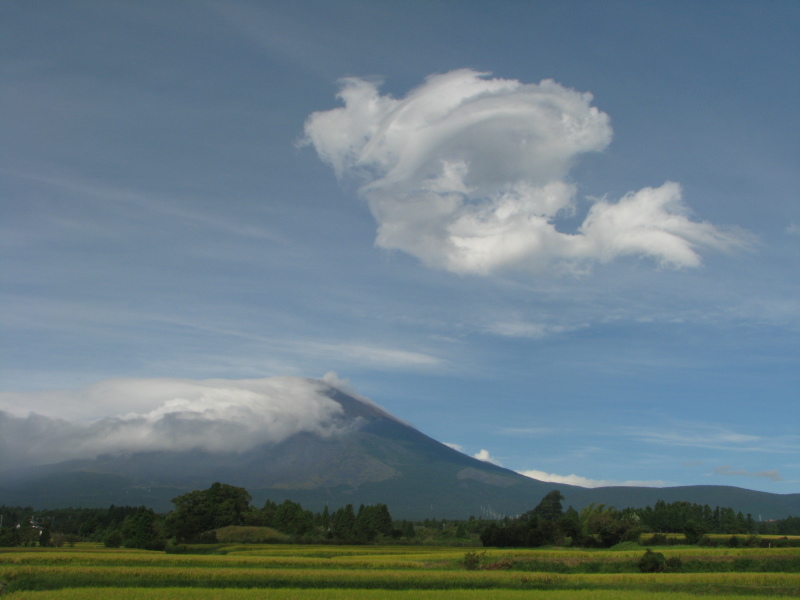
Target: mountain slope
column 371, row 457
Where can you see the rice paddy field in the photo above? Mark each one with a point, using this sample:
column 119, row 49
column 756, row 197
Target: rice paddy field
column 286, row 572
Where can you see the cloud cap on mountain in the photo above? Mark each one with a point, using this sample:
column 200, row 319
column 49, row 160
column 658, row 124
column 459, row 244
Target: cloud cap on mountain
column 170, row 415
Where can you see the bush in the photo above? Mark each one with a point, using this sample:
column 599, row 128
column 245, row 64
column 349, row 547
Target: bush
column 113, row 540
column 658, row 539
column 501, row 565
column 707, row 542
column 694, row 531
column 625, row 546
column 156, row 544
column 674, row 563
column 10, row 537
column 753, row 541
column 472, row 561
column 207, row 537
column 173, row 548
column 652, row 562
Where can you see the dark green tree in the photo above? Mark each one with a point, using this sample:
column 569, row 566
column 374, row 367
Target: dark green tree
column 343, row 523
column 694, row 531
column 291, row 518
column 203, row 510
column 113, row 539
column 9, row 536
column 142, row 530
column 44, row 537
column 570, row 525
column 550, row 509
column 652, row 562
column 371, row 521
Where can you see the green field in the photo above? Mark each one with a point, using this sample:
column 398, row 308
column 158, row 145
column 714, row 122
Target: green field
column 236, row 571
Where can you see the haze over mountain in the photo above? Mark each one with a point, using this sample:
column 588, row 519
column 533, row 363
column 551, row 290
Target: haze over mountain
column 313, row 441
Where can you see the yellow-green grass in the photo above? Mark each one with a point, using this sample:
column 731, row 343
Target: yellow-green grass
column 250, row 535
column 364, row 557
column 378, row 570
column 338, row 594
column 50, row 578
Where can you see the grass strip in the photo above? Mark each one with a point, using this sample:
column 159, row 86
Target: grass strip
column 63, row 578
column 111, row 593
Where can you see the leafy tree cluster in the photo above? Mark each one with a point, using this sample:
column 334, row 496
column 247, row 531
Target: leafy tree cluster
column 143, row 529
column 127, row 526
column 598, row 525
column 549, row 524
column 787, row 526
column 655, row 562
column 199, row 512
column 202, row 511
column 288, row 517
column 344, row 524
column 365, row 525
column 694, row 519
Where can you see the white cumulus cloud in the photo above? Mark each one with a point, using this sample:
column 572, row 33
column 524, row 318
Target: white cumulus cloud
column 469, row 173
column 485, row 456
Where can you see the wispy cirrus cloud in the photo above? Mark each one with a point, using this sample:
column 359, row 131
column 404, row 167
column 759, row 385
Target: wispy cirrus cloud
column 699, row 436
column 519, row 328
column 773, row 474
column 714, row 437
column 533, row 431
column 469, row 174
column 375, row 355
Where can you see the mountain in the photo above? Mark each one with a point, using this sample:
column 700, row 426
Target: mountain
column 370, row 457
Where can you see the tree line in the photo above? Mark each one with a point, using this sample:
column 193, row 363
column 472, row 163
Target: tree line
column 196, row 517
column 199, row 514
column 597, row 525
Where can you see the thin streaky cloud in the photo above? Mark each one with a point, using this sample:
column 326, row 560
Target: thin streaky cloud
column 375, row 355
column 164, row 206
column 534, row 431
column 772, row 474
column 527, row 329
column 715, row 438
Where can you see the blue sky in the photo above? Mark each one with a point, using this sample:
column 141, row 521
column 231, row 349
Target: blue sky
column 564, row 236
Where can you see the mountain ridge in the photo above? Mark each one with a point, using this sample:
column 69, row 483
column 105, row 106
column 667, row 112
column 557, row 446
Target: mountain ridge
column 373, row 457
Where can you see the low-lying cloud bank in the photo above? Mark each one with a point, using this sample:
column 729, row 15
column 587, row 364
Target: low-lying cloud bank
column 469, row 174
column 585, row 481
column 170, row 414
